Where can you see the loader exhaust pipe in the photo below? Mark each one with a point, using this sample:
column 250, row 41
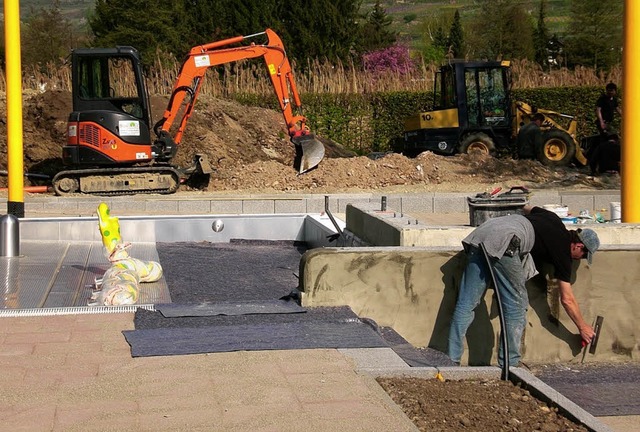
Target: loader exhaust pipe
column 309, row 152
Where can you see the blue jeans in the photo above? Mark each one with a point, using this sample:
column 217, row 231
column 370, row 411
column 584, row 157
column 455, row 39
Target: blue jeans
column 513, row 294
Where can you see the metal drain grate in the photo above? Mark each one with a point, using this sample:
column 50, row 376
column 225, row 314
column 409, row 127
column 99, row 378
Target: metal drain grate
column 88, row 310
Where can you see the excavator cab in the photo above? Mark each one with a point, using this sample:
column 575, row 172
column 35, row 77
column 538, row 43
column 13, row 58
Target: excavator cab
column 109, row 124
column 109, row 79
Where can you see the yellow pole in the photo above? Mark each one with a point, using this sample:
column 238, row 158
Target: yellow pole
column 15, row 204
column 630, row 169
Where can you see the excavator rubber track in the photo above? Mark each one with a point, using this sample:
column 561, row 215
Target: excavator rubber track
column 118, row 181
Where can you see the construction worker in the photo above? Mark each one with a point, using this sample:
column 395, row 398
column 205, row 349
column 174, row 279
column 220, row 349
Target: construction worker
column 529, row 138
column 514, row 244
column 606, row 107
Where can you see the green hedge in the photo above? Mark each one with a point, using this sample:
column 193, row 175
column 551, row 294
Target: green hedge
column 368, row 123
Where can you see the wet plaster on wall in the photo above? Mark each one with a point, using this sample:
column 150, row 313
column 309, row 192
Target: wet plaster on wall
column 413, row 290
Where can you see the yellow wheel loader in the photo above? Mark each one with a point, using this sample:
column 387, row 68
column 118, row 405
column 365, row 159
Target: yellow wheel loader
column 474, row 111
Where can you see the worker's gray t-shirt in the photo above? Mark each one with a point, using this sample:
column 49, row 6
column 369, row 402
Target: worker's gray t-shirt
column 496, row 235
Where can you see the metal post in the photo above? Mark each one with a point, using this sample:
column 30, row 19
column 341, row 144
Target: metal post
column 327, row 210
column 9, row 236
column 15, row 162
column 630, row 169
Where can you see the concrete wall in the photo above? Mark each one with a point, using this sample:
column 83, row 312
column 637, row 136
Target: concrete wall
column 391, row 228
column 413, row 290
column 409, row 281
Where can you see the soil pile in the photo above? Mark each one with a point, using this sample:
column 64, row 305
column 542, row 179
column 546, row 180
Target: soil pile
column 250, row 151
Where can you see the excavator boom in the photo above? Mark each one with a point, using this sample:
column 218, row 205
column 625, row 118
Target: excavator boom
column 201, row 58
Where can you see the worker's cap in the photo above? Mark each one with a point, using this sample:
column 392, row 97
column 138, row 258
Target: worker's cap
column 590, row 240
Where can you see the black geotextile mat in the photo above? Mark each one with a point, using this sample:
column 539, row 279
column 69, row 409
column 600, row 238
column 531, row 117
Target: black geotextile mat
column 236, row 271
column 414, row 357
column 252, row 337
column 172, row 310
column 325, row 327
column 600, row 389
column 256, row 271
column 150, row 320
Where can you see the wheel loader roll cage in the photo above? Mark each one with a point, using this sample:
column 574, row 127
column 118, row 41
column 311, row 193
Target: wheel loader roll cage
column 474, row 88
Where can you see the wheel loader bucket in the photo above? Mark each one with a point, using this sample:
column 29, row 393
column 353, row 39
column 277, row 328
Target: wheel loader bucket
column 309, row 152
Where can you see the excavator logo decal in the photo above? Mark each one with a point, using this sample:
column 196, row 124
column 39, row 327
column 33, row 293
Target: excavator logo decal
column 202, row 61
column 106, row 143
column 272, row 69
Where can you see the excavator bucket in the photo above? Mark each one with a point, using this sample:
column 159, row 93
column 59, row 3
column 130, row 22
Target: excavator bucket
column 309, row 152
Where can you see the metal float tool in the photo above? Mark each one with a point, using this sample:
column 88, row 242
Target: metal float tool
column 597, row 327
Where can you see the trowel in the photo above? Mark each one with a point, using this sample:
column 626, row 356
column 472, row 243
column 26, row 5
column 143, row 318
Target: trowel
column 597, row 326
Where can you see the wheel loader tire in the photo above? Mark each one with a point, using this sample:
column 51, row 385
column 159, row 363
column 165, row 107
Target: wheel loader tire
column 558, row 148
column 479, row 142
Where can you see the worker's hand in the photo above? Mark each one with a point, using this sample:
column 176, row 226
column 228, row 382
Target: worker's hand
column 603, row 125
column 587, row 333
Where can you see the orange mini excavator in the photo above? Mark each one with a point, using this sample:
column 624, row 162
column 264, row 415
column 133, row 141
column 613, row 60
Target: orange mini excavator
column 110, row 149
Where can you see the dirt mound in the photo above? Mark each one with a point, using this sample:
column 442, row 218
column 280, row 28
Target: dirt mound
column 250, row 151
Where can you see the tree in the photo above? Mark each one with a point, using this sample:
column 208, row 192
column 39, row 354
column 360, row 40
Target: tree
column 541, row 37
column 456, row 37
column 322, row 29
column 309, row 28
column 151, row 26
column 46, row 36
column 504, row 30
column 594, row 37
column 434, row 38
column 375, row 31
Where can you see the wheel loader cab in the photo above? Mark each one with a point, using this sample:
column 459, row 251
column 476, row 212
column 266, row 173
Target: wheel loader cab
column 472, row 110
column 110, row 119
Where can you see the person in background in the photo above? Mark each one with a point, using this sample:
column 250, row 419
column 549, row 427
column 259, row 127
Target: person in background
column 529, row 138
column 516, row 244
column 605, row 158
column 606, row 107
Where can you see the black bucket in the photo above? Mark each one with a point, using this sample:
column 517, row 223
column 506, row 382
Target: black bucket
column 486, row 206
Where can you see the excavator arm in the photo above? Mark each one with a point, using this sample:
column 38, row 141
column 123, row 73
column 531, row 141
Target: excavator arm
column 185, row 92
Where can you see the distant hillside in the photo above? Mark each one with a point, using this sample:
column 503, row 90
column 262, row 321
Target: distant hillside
column 75, row 11
column 407, row 14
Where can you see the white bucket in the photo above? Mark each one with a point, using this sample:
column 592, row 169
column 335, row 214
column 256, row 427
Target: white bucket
column 615, row 212
column 559, row 209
